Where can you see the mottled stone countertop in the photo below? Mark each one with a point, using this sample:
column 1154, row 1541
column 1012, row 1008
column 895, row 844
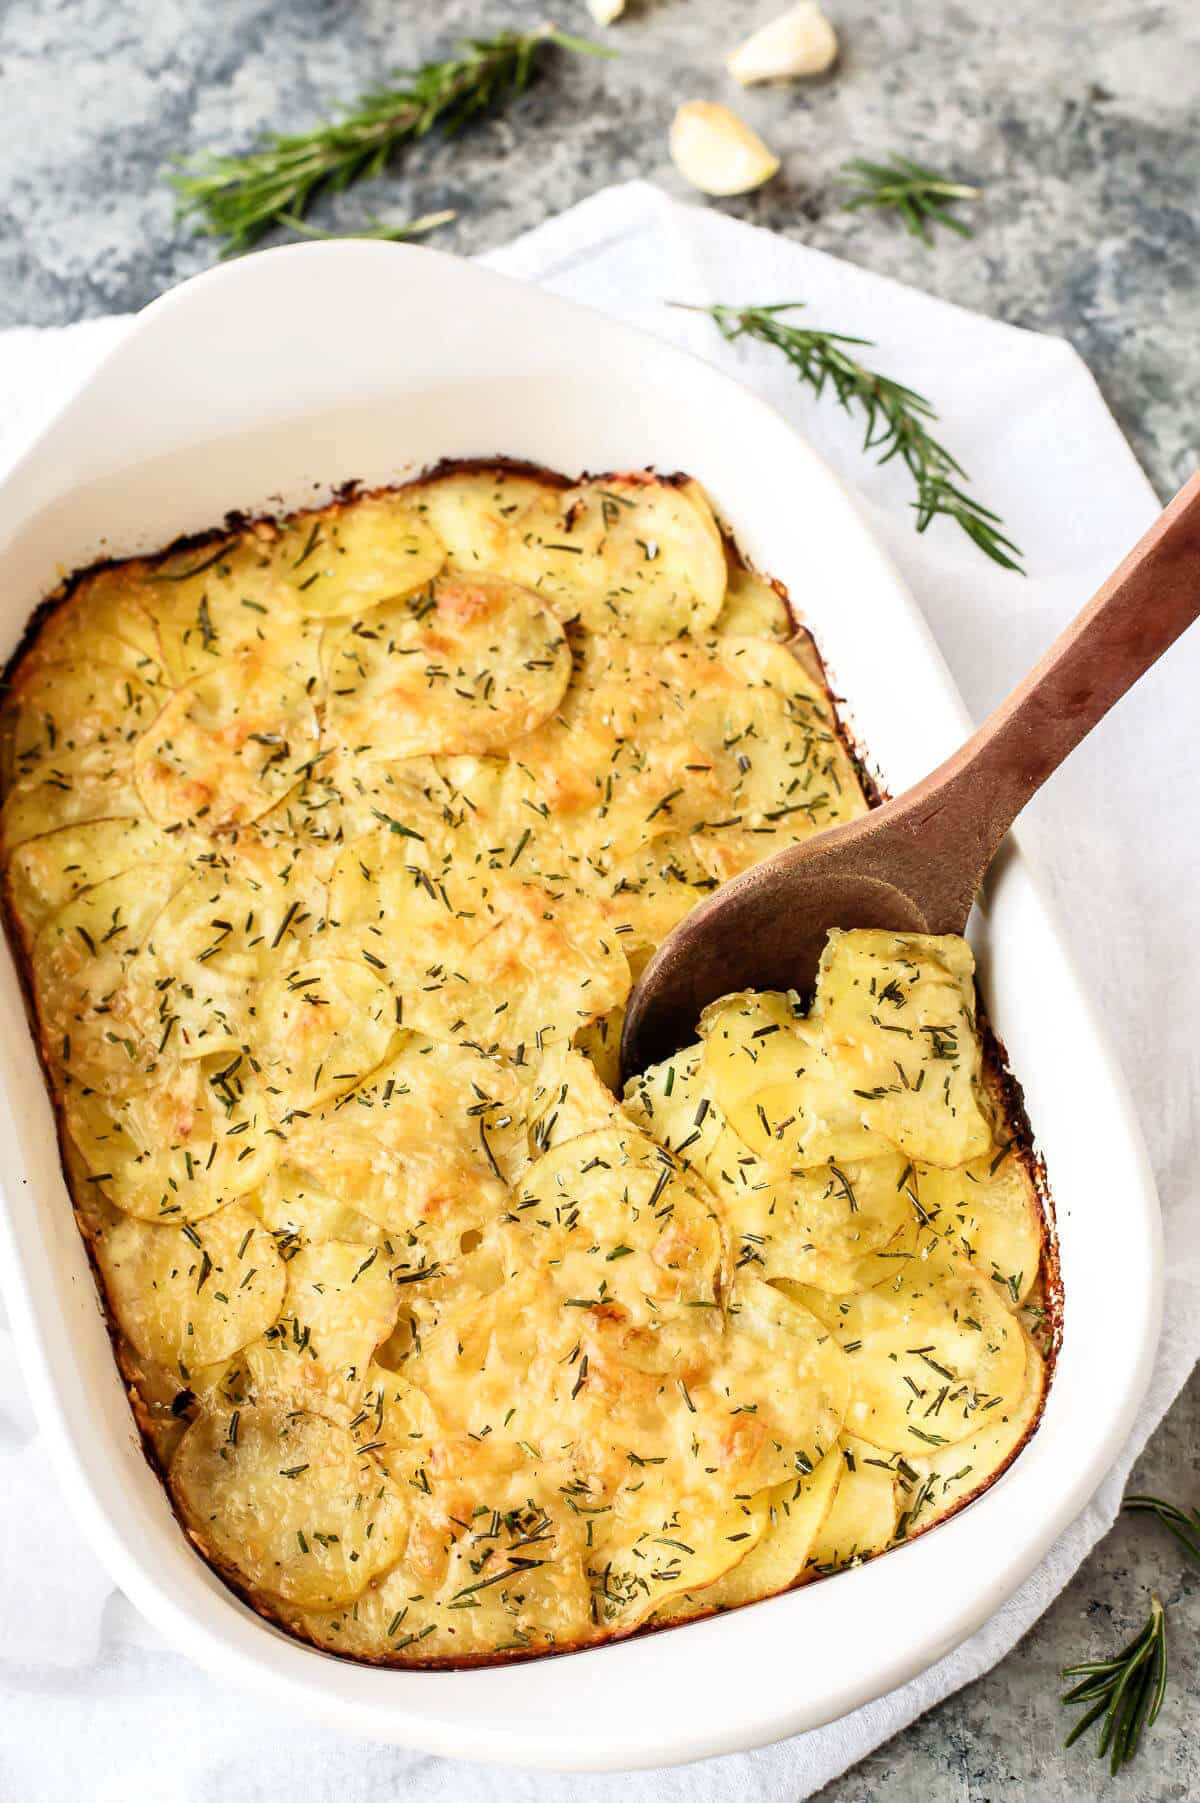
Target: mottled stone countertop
column 1081, row 122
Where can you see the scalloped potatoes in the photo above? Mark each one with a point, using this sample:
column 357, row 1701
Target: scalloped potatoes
column 332, row 852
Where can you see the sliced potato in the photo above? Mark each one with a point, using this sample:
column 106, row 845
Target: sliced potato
column 816, row 1225
column 620, row 1222
column 328, row 806
column 211, row 603
column 784, row 1382
column 398, row 1421
column 931, row 1352
column 769, row 728
column 469, row 664
column 617, row 765
column 242, row 915
column 348, row 557
column 422, row 1145
column 532, row 1367
column 480, row 515
column 94, row 783
column 776, row 1087
column 567, row 1099
column 48, row 872
column 898, row 1023
column 180, row 1144
column 493, row 818
column 648, row 561
column 720, row 1406
column 648, row 891
column 473, row 955
column 796, row 1512
column 655, row 1553
column 227, row 745
column 697, row 494
column 288, row 1502
column 729, row 738
column 320, row 1027
column 862, row 1518
column 493, row 1357
column 812, row 1224
column 297, row 1210
column 495, row 1562
column 753, row 608
column 671, row 1102
column 96, row 1030
column 471, row 814
column 600, row 1043
column 627, row 554
column 546, row 969
column 58, row 710
column 191, row 1296
column 340, row 1305
column 104, row 618
column 940, row 1479
column 989, row 1208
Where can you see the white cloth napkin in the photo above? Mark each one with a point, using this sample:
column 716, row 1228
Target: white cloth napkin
column 93, row 1706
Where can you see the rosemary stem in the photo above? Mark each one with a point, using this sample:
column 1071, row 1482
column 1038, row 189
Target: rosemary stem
column 1127, row 1691
column 918, row 194
column 240, row 197
column 897, row 419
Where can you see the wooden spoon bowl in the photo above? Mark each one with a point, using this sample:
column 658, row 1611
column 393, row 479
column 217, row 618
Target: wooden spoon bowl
column 916, row 863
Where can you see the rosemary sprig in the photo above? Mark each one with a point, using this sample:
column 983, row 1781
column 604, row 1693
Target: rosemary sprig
column 918, row 194
column 240, row 197
column 898, row 419
column 1127, row 1691
column 374, row 228
column 1183, row 1523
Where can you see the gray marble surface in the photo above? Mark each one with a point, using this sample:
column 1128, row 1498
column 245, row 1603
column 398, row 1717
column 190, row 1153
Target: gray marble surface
column 1080, row 120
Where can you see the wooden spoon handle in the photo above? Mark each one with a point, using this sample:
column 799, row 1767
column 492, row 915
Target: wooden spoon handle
column 960, row 813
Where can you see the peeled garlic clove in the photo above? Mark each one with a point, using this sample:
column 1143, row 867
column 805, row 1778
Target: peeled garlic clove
column 716, row 151
column 605, row 11
column 800, row 41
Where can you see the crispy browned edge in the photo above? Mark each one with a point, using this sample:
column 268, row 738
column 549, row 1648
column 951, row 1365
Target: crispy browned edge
column 804, row 646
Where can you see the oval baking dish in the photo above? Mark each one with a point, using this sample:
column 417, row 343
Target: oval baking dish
column 268, row 384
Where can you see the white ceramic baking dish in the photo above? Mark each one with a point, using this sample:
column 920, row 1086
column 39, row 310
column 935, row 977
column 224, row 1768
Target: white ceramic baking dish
column 285, row 374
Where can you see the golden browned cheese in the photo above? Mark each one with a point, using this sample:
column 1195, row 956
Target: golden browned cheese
column 331, row 852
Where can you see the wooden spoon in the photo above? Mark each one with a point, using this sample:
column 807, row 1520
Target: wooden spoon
column 914, row 864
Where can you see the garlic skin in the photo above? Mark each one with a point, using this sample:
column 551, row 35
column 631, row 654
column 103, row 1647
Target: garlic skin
column 800, row 41
column 605, row 11
column 717, row 152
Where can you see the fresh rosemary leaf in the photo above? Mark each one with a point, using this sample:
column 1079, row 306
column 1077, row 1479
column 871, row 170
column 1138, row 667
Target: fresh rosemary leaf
column 240, row 197
column 374, row 228
column 898, row 420
column 919, row 195
column 1126, row 1691
column 1183, row 1523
